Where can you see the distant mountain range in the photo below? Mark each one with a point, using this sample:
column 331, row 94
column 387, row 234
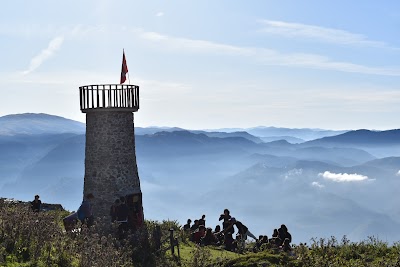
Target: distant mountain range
column 32, row 123
column 345, row 184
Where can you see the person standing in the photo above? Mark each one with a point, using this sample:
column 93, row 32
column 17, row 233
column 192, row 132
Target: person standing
column 202, row 221
column 36, row 204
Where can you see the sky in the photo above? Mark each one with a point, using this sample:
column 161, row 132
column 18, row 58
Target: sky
column 331, row 64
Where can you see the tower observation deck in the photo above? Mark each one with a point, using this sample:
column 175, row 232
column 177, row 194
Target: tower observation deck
column 110, row 159
column 109, row 97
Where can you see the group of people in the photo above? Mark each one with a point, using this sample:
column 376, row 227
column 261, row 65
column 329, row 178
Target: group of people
column 202, row 235
column 280, row 239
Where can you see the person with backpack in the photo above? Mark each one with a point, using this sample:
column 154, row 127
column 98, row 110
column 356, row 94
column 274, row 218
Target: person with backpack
column 85, row 214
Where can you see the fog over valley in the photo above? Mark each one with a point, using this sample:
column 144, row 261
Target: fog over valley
column 318, row 182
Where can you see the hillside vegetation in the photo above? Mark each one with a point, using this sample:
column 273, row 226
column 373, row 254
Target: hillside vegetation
column 38, row 239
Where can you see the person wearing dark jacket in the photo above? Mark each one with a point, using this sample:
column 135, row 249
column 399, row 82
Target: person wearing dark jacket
column 283, row 234
column 202, row 221
column 113, row 210
column 209, row 238
column 243, row 231
column 186, row 227
column 225, row 223
column 36, row 204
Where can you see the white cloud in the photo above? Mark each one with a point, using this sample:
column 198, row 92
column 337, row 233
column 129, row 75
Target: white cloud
column 398, row 173
column 160, row 14
column 192, row 45
column 343, row 177
column 263, row 55
column 45, row 54
column 330, row 35
column 318, row 185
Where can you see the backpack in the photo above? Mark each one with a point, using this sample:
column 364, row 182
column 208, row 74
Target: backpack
column 81, row 213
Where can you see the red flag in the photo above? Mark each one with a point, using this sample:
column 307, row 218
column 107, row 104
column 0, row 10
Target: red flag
column 124, row 69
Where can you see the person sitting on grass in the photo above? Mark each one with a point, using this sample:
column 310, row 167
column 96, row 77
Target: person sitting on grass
column 283, row 234
column 261, row 244
column 195, row 226
column 218, row 234
column 275, row 241
column 209, row 238
column 199, row 234
column 286, row 246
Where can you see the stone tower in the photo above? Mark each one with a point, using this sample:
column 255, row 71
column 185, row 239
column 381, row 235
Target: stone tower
column 110, row 159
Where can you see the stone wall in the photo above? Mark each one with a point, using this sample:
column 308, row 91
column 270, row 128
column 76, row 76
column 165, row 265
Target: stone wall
column 110, row 159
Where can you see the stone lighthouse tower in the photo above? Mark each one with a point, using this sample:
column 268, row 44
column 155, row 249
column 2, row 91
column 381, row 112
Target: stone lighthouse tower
column 110, row 160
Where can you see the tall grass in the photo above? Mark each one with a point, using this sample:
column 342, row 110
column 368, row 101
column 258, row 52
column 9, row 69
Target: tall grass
column 39, row 239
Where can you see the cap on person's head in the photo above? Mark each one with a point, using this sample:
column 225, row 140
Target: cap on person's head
column 36, row 196
column 233, row 219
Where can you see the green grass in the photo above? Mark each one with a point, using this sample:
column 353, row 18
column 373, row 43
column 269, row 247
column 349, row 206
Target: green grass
column 28, row 239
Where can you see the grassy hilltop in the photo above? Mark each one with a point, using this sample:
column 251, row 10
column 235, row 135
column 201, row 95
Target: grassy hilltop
column 39, row 239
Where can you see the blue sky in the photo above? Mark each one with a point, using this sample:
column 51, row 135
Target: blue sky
column 209, row 64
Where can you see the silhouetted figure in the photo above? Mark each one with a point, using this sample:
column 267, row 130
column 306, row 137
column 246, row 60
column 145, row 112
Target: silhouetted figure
column 218, row 234
column 243, row 232
column 275, row 233
column 195, row 226
column 275, row 241
column 228, row 242
column 262, row 239
column 122, row 213
column 36, row 204
column 113, row 210
column 186, row 227
column 209, row 238
column 283, row 234
column 85, row 213
column 286, row 245
column 225, row 217
column 202, row 221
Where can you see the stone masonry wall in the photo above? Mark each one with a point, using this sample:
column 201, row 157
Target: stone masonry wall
column 110, row 159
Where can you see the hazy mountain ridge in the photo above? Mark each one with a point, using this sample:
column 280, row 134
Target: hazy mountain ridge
column 378, row 143
column 264, row 184
column 33, row 123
